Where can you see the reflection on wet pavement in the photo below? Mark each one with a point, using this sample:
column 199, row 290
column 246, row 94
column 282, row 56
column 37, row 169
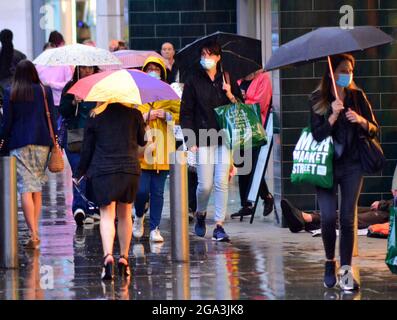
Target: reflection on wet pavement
column 260, row 266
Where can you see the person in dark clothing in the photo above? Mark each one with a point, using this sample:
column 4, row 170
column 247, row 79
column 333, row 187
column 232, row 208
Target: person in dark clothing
column 25, row 129
column 344, row 118
column 203, row 92
column 298, row 220
column 9, row 58
column 168, row 53
column 112, row 167
column 75, row 114
column 256, row 88
column 56, row 39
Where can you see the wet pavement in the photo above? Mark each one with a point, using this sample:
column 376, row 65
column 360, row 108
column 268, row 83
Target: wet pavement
column 263, row 262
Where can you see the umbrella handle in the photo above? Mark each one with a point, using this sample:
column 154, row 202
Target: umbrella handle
column 332, row 77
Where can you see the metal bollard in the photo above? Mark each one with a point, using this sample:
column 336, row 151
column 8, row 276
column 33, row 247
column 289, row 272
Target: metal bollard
column 181, row 282
column 179, row 207
column 8, row 213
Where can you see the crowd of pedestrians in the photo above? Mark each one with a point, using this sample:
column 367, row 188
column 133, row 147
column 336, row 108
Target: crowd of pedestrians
column 111, row 178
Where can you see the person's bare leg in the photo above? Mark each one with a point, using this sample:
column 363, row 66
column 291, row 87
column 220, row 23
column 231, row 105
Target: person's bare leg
column 108, row 229
column 29, row 213
column 37, row 201
column 124, row 228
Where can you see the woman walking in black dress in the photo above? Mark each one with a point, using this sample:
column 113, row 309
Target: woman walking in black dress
column 109, row 159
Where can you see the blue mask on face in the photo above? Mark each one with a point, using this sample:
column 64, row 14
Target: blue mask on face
column 207, row 64
column 344, row 80
column 154, row 74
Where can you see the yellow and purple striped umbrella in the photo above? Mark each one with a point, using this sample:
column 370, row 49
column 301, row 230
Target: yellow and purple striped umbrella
column 123, row 86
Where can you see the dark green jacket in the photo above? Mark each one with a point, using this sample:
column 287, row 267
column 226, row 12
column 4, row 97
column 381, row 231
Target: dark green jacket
column 67, row 109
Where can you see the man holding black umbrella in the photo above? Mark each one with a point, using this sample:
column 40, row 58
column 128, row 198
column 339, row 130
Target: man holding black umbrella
column 204, row 91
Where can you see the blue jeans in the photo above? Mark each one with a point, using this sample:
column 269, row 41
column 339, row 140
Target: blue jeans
column 213, row 173
column 151, row 184
column 78, row 201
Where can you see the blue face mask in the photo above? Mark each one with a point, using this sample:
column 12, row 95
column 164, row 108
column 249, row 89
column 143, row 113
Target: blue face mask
column 154, row 74
column 207, row 64
column 344, row 80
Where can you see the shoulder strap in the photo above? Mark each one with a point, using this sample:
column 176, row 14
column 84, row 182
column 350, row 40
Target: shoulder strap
column 48, row 115
column 227, row 77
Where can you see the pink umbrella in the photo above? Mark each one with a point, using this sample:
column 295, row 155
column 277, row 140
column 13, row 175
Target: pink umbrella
column 133, row 59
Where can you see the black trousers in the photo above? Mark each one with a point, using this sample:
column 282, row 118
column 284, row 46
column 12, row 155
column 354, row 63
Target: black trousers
column 350, row 178
column 244, row 182
column 192, row 188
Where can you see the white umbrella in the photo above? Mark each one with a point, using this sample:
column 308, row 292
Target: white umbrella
column 76, row 55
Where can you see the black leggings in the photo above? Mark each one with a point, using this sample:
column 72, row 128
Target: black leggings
column 350, row 179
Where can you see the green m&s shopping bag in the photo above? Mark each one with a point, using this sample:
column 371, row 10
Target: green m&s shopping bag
column 313, row 161
column 242, row 125
column 391, row 257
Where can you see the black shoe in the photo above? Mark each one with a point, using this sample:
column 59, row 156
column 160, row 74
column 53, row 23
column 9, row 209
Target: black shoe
column 107, row 269
column 200, row 227
column 124, row 269
column 330, row 274
column 292, row 216
column 268, row 205
column 245, row 211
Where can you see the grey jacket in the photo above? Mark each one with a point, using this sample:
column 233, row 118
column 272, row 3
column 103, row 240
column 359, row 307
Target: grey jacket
column 394, row 183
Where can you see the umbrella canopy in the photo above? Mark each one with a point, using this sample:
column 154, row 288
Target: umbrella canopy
column 324, row 42
column 130, row 87
column 240, row 55
column 76, row 55
column 135, row 58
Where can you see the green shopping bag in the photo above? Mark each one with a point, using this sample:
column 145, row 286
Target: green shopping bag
column 391, row 257
column 313, row 161
column 242, row 125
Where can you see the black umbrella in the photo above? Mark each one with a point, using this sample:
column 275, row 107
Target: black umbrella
column 240, row 55
column 325, row 42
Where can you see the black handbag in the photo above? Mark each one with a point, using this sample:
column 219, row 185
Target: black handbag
column 372, row 157
column 371, row 154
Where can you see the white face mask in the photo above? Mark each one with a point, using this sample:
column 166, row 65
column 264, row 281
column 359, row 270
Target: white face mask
column 154, row 74
column 207, row 63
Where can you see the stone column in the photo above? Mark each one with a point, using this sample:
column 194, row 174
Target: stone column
column 110, row 22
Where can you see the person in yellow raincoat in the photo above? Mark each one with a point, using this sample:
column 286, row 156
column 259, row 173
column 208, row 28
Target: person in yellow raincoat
column 160, row 117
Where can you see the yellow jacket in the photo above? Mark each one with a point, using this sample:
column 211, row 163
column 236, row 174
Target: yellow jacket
column 163, row 134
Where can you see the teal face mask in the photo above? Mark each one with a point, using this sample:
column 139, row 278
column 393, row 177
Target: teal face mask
column 344, row 80
column 154, row 74
column 207, row 64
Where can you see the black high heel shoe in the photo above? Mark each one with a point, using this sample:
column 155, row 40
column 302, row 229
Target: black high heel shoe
column 107, row 269
column 124, row 269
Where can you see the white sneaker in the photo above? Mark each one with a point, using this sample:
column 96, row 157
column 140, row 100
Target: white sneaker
column 137, row 229
column 347, row 281
column 89, row 220
column 96, row 217
column 155, row 236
